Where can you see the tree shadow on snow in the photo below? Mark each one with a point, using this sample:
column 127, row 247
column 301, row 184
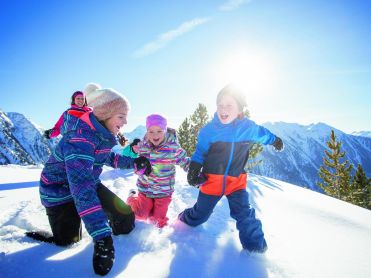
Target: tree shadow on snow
column 48, row 260
column 18, row 185
column 254, row 188
column 42, row 260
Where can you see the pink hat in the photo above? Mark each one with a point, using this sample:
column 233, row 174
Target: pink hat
column 156, row 120
column 76, row 94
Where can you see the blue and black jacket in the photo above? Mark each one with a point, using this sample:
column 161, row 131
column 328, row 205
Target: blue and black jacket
column 223, row 150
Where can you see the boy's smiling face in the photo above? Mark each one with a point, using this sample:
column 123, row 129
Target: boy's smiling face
column 227, row 109
column 155, row 135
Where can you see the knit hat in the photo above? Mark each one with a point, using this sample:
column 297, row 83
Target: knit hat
column 156, row 120
column 235, row 93
column 76, row 94
column 105, row 102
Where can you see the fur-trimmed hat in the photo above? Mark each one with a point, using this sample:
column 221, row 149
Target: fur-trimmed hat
column 105, row 102
column 235, row 93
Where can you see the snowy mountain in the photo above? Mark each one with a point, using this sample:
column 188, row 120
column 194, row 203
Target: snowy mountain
column 362, row 133
column 304, row 151
column 309, row 235
column 138, row 132
column 21, row 141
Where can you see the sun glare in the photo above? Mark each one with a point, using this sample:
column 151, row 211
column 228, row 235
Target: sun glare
column 251, row 70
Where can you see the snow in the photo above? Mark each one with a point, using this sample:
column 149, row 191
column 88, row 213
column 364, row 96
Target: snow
column 309, row 235
column 362, row 133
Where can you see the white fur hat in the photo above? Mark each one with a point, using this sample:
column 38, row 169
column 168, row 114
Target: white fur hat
column 105, row 102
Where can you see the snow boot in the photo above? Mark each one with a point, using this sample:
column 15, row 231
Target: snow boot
column 104, row 255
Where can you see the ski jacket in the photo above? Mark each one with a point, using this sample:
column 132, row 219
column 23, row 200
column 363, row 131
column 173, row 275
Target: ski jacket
column 57, row 127
column 128, row 151
column 223, row 150
column 72, row 170
column 163, row 158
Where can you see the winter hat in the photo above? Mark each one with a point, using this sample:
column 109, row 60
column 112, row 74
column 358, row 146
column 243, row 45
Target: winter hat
column 76, row 94
column 92, row 87
column 235, row 93
column 156, row 120
column 105, row 102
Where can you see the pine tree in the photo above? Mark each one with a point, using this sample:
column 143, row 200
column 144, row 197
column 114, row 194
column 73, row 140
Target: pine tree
column 334, row 173
column 184, row 136
column 188, row 130
column 198, row 120
column 361, row 186
column 255, row 150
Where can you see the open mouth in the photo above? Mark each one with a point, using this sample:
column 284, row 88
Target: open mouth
column 155, row 141
column 224, row 117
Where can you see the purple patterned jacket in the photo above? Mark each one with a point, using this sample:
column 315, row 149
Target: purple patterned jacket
column 71, row 173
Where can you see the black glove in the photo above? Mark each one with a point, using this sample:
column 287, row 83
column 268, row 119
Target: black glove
column 278, row 144
column 194, row 176
column 142, row 166
column 104, row 255
column 47, row 133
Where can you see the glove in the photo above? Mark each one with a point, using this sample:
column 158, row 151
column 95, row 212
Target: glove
column 194, row 176
column 104, row 255
column 278, row 145
column 142, row 166
column 47, row 133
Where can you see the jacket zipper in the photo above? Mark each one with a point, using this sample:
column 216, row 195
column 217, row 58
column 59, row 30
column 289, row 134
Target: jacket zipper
column 227, row 169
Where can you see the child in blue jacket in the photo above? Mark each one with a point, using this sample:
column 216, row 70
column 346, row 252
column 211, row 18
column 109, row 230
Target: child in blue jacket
column 218, row 163
column 70, row 189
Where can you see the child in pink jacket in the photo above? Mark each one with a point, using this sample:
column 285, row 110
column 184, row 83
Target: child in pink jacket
column 161, row 147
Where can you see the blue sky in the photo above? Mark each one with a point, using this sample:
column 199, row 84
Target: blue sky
column 297, row 61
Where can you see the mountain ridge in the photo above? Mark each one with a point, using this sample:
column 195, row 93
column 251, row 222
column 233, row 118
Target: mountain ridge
column 22, row 143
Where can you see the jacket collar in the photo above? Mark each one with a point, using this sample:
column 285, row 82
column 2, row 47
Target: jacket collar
column 94, row 124
column 216, row 121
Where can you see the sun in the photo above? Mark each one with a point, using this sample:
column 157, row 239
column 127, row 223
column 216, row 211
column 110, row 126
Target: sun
column 251, row 70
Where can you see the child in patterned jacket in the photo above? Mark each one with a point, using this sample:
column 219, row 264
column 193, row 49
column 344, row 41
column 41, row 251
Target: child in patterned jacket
column 161, row 147
column 70, row 188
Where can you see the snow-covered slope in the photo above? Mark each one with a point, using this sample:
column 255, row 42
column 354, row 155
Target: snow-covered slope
column 309, row 235
column 362, row 133
column 304, row 151
column 21, row 141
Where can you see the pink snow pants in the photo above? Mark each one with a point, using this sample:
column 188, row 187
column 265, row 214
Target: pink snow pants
column 153, row 209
